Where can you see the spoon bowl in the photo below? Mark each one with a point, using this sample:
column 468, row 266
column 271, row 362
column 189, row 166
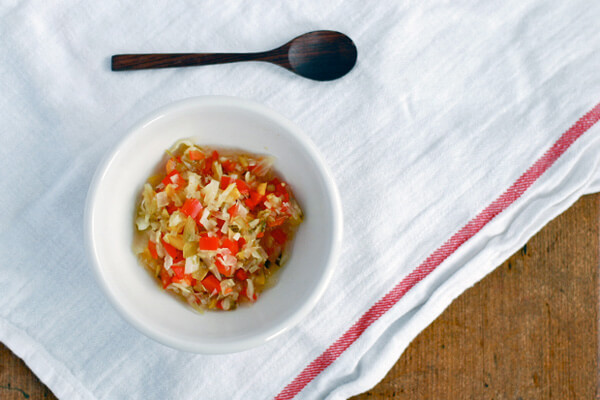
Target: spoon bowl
column 322, row 55
column 318, row 55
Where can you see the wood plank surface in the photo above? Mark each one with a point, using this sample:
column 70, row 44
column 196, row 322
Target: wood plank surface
column 529, row 330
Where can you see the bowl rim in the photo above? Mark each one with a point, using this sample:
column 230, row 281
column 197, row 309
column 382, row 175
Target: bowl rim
column 333, row 198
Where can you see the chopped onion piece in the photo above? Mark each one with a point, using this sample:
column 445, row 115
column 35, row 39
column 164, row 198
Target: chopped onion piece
column 209, row 225
column 226, row 303
column 227, row 283
column 177, row 144
column 176, row 219
column 254, row 268
column 192, row 264
column 168, row 262
column 223, row 196
column 225, row 227
column 228, row 259
column 242, row 211
column 264, row 165
column 162, row 199
column 210, row 192
column 143, row 222
column 250, row 288
column 191, row 190
column 181, row 287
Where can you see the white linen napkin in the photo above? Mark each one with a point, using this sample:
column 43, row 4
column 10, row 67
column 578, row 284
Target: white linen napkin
column 440, row 141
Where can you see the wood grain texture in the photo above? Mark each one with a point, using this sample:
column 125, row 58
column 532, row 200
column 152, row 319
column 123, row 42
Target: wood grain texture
column 529, row 330
column 317, row 55
column 17, row 382
column 129, row 62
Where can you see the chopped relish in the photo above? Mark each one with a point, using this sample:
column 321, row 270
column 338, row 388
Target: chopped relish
column 215, row 225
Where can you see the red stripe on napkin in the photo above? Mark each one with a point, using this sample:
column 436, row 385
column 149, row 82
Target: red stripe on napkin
column 437, row 257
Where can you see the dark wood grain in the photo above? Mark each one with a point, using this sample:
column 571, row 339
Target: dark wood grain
column 529, row 330
column 126, row 62
column 17, row 382
column 318, row 55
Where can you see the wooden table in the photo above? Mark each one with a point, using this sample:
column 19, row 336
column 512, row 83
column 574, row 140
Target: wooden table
column 529, row 330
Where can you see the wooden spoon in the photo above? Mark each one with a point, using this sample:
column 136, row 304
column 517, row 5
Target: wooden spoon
column 318, row 55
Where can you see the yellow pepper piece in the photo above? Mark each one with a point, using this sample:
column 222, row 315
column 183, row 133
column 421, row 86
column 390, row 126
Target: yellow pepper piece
column 261, row 189
column 175, row 241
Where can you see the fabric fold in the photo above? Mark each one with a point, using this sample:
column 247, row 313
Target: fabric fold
column 447, row 107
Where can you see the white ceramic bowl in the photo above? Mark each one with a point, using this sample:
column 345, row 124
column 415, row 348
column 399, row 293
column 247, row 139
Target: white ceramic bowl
column 109, row 227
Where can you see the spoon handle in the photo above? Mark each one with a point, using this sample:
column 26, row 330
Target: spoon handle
column 124, row 62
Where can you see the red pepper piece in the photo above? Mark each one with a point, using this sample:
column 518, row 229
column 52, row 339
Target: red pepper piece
column 241, row 275
column 254, row 200
column 279, row 236
column 172, row 251
column 178, row 271
column 192, row 208
column 196, row 155
column 242, row 187
column 233, row 210
column 231, row 245
column 212, row 284
column 223, row 269
column 178, row 257
column 165, row 278
column 277, row 221
column 225, row 181
column 208, row 162
column 152, row 249
column 229, row 166
column 208, row 243
column 174, row 177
